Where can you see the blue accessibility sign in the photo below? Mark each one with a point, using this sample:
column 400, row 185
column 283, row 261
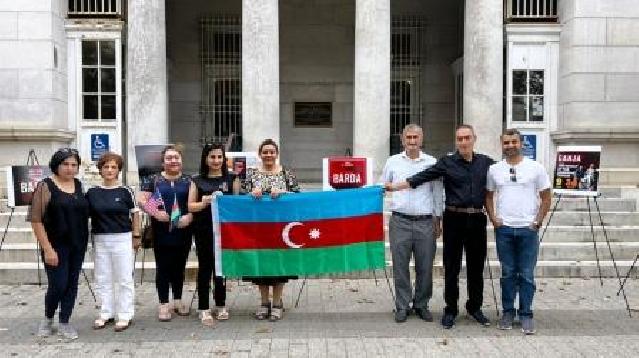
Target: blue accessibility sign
column 529, row 146
column 99, row 145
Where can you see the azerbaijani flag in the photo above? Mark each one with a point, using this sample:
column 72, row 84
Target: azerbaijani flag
column 299, row 234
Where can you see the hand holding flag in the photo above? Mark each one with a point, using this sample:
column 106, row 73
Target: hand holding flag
column 175, row 214
column 154, row 204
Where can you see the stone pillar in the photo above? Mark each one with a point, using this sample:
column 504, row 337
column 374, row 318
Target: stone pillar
column 483, row 72
column 146, row 84
column 371, row 122
column 260, row 72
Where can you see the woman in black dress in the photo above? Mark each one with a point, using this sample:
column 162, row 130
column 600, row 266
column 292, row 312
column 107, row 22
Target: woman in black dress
column 214, row 179
column 171, row 232
column 272, row 179
column 59, row 216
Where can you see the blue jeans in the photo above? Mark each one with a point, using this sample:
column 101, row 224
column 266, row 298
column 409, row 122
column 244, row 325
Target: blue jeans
column 517, row 249
column 63, row 281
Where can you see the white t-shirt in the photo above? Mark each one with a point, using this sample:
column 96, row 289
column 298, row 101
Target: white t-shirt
column 517, row 202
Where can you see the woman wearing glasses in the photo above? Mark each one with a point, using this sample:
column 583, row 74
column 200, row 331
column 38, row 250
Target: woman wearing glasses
column 213, row 179
column 272, row 179
column 115, row 224
column 59, row 216
column 164, row 197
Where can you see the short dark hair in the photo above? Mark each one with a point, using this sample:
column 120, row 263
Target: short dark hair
column 208, row 148
column 110, row 156
column 60, row 156
column 466, row 126
column 511, row 131
column 265, row 142
column 176, row 147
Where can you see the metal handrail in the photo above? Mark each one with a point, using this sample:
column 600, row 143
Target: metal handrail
column 95, row 7
column 540, row 10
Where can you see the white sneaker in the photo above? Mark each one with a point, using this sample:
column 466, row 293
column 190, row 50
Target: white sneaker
column 67, row 331
column 45, row 329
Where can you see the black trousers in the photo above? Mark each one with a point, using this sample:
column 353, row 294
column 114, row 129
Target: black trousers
column 464, row 232
column 206, row 266
column 63, row 281
column 170, row 263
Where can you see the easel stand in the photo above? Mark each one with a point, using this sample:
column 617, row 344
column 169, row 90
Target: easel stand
column 299, row 294
column 594, row 241
column 628, row 274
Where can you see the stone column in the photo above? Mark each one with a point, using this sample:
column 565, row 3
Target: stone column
column 260, row 72
column 483, row 72
column 371, row 122
column 146, row 85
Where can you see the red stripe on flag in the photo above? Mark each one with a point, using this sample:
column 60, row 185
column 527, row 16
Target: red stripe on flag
column 310, row 234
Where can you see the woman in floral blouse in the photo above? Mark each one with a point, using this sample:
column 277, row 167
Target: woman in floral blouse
column 270, row 179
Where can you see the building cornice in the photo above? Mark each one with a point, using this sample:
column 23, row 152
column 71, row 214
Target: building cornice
column 36, row 134
column 94, row 25
column 600, row 135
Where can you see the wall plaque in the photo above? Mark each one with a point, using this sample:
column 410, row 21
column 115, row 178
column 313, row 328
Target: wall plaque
column 313, row 114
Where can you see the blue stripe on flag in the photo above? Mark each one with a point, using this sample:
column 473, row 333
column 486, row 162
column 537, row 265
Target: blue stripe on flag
column 301, row 207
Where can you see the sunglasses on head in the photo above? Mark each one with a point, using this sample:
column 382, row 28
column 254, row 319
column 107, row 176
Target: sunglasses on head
column 69, row 150
column 513, row 175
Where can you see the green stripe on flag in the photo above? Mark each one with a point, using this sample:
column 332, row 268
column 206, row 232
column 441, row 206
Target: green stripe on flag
column 334, row 259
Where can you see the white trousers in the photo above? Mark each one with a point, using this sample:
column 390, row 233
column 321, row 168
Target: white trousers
column 114, row 275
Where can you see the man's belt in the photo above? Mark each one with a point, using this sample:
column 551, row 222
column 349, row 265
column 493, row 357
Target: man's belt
column 412, row 217
column 456, row 209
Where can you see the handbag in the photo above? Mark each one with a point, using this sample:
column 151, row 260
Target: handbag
column 147, row 232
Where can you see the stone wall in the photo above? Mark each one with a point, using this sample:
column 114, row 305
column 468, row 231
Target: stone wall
column 33, row 79
column 599, row 78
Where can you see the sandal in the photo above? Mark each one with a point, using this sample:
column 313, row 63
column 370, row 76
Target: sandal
column 206, row 318
column 222, row 314
column 164, row 313
column 181, row 308
column 276, row 313
column 263, row 311
column 101, row 323
column 122, row 325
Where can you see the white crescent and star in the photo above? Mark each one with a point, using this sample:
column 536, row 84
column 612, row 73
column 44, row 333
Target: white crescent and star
column 286, row 238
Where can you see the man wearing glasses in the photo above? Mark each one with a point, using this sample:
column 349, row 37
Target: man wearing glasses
column 464, row 223
column 519, row 184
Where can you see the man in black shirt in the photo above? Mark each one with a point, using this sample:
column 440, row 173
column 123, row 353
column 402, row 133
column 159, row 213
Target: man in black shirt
column 464, row 224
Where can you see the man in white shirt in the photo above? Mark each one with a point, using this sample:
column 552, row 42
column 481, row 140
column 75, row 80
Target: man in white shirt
column 414, row 226
column 519, row 183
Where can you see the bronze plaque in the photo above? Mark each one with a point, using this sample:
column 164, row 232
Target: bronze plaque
column 313, row 114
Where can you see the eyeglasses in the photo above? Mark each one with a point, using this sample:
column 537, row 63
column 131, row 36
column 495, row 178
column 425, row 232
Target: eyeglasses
column 513, row 175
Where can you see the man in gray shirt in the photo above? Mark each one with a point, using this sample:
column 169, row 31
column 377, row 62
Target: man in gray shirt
column 414, row 226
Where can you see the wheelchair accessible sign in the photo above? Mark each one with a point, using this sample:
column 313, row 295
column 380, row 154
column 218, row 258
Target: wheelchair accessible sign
column 99, row 145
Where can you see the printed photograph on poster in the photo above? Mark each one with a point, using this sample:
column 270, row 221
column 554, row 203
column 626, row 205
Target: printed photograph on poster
column 149, row 160
column 22, row 181
column 237, row 162
column 577, row 170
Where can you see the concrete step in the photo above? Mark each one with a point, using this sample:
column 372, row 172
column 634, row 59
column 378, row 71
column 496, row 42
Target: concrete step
column 27, row 273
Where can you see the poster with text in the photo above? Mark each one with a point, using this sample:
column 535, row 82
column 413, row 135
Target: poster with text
column 577, row 170
column 149, row 160
column 237, row 162
column 22, row 181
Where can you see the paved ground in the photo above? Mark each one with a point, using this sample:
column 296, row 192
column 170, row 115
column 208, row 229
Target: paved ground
column 576, row 317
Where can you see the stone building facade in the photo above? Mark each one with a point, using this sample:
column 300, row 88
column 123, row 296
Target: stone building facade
column 322, row 77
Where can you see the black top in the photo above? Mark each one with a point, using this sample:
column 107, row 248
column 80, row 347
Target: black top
column 202, row 221
column 66, row 216
column 110, row 209
column 464, row 181
column 170, row 190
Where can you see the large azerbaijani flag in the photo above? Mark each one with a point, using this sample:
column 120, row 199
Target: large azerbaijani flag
column 299, row 234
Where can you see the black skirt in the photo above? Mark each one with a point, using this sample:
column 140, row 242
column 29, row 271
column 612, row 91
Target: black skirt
column 268, row 280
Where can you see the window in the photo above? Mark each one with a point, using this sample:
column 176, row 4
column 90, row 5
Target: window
column 98, row 81
column 528, row 96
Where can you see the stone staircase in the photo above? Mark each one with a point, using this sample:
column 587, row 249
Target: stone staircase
column 567, row 249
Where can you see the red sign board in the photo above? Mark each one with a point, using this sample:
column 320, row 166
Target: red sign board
column 346, row 172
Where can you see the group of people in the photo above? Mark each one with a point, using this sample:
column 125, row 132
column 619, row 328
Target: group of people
column 61, row 210
column 513, row 193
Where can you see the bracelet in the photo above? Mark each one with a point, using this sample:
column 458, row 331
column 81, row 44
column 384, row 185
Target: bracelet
column 137, row 236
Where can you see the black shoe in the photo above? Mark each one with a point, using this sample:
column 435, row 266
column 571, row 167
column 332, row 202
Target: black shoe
column 448, row 321
column 401, row 316
column 480, row 318
column 424, row 314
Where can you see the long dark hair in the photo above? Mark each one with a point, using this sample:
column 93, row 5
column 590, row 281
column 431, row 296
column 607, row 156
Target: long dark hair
column 204, row 169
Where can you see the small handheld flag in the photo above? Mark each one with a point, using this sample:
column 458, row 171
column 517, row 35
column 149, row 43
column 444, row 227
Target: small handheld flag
column 154, row 204
column 175, row 213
